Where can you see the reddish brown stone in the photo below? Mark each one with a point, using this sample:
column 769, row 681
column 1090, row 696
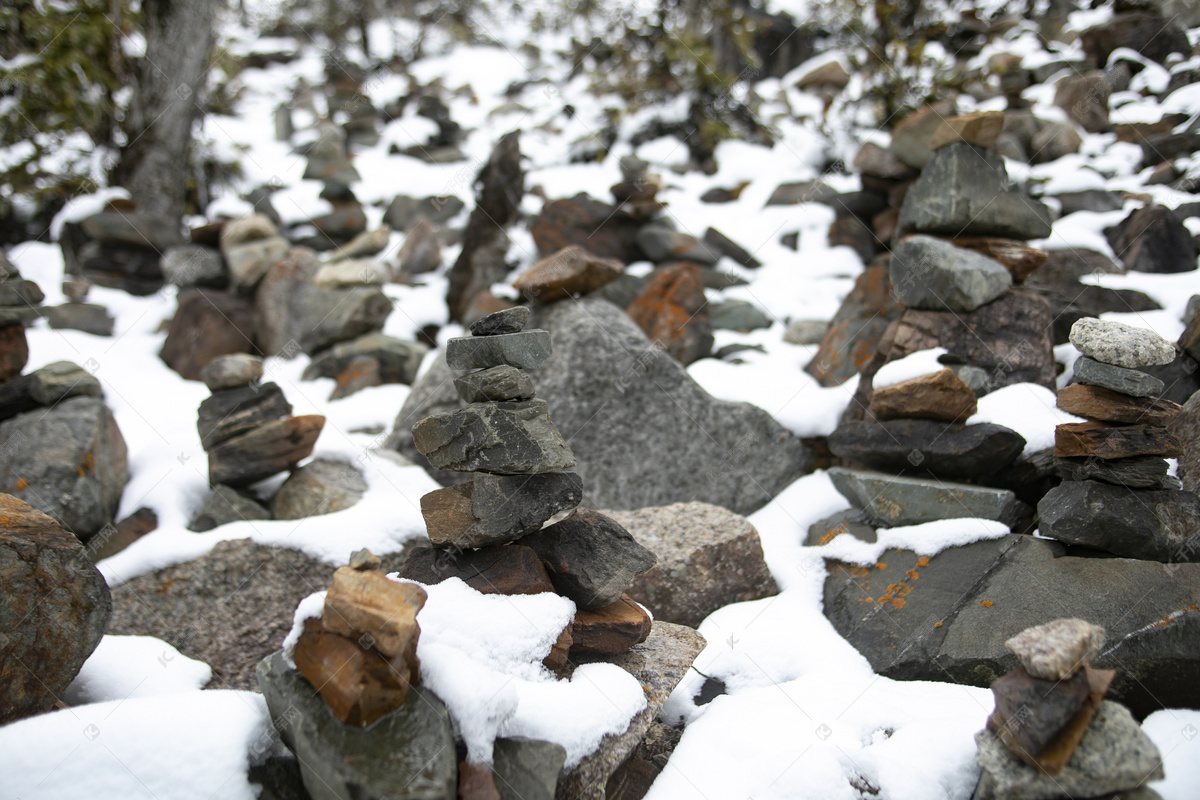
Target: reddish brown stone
column 605, row 230
column 261, row 453
column 673, row 312
column 14, row 351
column 980, row 128
column 476, row 782
column 1017, row 257
column 1105, row 405
column 361, row 373
column 1082, row 439
column 570, row 271
column 611, row 630
column 507, row 569
column 557, row 658
column 110, row 541
column 938, row 396
column 885, row 223
column 207, row 324
column 366, row 603
column 483, row 304
column 857, row 327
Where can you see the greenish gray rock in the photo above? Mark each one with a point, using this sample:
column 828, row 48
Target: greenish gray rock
column 20, row 292
column 964, row 191
column 139, row 229
column 231, row 412
column 407, row 754
column 524, row 350
column 249, row 262
column 321, row 486
column 1153, row 525
column 497, row 509
column 398, row 359
column 853, row 521
column 933, row 274
column 806, row 331
column 62, row 379
column 1132, row 382
column 87, row 317
column 495, row 383
column 224, row 505
column 403, row 211
column 527, row 769
column 1119, row 344
column 508, row 320
column 231, row 371
column 510, row 438
column 890, row 500
column 738, row 315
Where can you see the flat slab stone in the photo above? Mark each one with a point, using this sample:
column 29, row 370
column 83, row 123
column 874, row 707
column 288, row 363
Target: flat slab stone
column 1035, row 709
column 497, row 509
column 503, row 569
column 495, row 383
column 892, row 500
column 940, row 395
column 932, row 274
column 264, row 451
column 1101, row 440
column 1119, row 379
column 231, row 371
column 1121, row 345
column 234, row 412
column 523, row 350
column 510, row 438
column 1136, row 472
column 1153, row 525
column 1105, row 405
column 570, row 271
column 923, row 446
column 609, row 631
column 508, row 320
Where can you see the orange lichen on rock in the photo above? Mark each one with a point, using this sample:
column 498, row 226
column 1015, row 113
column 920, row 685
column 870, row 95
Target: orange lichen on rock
column 986, row 603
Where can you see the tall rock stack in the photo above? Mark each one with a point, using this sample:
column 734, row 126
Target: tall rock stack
column 1052, row 734
column 1117, row 495
column 19, row 301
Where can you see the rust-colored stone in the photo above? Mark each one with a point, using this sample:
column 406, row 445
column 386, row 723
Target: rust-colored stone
column 14, row 351
column 369, row 604
column 1017, row 257
column 360, row 373
column 940, row 396
column 476, row 782
column 1105, row 405
column 857, row 328
column 261, row 453
column 980, row 128
column 570, row 271
column 611, row 630
column 673, row 311
column 556, row 659
column 207, row 324
column 605, row 230
column 1082, row 439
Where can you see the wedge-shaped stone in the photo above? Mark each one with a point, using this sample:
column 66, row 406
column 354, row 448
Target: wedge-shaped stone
column 233, row 412
column 497, row 509
column 507, row 320
column 503, row 569
column 1120, row 379
column 1105, row 405
column 524, row 350
column 570, row 271
column 891, row 500
column 1031, row 711
column 923, row 446
column 609, row 631
column 495, row 383
column 264, row 451
column 1136, row 472
column 941, row 396
column 512, row 438
column 1084, row 439
column 367, row 603
column 932, row 274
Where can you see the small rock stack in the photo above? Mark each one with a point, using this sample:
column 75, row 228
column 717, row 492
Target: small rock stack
column 1117, row 495
column 19, row 301
column 79, row 315
column 492, row 524
column 329, row 162
column 1052, row 734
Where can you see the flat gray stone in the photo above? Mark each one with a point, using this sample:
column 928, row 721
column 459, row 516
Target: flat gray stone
column 932, row 274
column 232, row 412
column 852, row 521
column 231, row 371
column 510, row 438
column 497, row 509
column 20, row 292
column 923, row 446
column 1120, row 379
column 249, row 262
column 495, row 383
column 191, row 265
column 224, row 505
column 1119, row 344
column 523, row 350
column 398, row 359
column 62, row 379
column 892, row 501
column 660, row 243
column 508, row 320
column 527, row 769
column 321, row 486
column 1136, row 472
column 87, row 317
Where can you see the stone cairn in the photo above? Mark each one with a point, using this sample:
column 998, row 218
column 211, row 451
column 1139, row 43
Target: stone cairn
column 19, row 301
column 1117, row 495
column 1052, row 733
column 77, row 313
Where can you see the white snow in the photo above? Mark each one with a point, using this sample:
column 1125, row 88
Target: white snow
column 1026, row 408
column 913, row 365
column 926, row 539
column 135, row 666
column 1176, row 733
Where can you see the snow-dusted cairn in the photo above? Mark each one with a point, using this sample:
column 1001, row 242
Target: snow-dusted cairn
column 506, row 438
column 1118, row 496
column 1052, row 734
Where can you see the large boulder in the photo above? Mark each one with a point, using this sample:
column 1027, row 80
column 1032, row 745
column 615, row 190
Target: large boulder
column 1153, row 239
column 69, row 462
column 1147, row 32
column 53, row 610
column 642, row 431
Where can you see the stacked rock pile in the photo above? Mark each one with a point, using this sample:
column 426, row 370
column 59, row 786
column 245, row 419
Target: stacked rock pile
column 1117, row 495
column 1052, row 733
column 19, row 301
column 488, row 530
column 78, row 314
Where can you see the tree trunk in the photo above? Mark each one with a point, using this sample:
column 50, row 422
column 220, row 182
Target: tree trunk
column 154, row 162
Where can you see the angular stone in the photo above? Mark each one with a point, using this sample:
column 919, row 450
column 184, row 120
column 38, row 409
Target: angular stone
column 1119, row 344
column 476, row 782
column 264, row 451
column 1031, row 712
column 604, row 230
column 609, row 631
column 570, row 271
column 350, row 273
column 224, row 505
column 207, row 324
column 495, row 383
column 857, row 328
column 1105, row 405
column 507, row 569
column 253, row 228
column 1018, row 258
column 509, row 320
column 233, row 412
column 1153, row 525
column 523, row 350
column 62, row 379
column 1145, row 31
column 723, row 245
column 367, row 603
column 1138, row 472
column 938, row 396
column 87, row 317
column 131, row 269
column 406, row 755
column 232, row 371
column 137, row 229
column 322, row 486
column 497, row 509
column 590, row 558
column 708, row 557
column 510, row 438
column 929, row 273
column 738, row 315
column 673, row 312
column 14, row 350
column 365, row 245
column 1185, row 428
column 853, row 521
column 404, row 211
column 1058, row 649
column 1132, row 382
column 249, row 262
column 894, row 501
column 1099, row 439
column 421, row 251
column 1153, row 239
column 398, row 359
column 20, row 292
column 911, row 135
column 1085, row 99
column 951, row 451
column 527, row 769
column 964, row 191
column 660, row 243
column 981, row 128
column 192, row 265
column 877, row 162
column 53, row 610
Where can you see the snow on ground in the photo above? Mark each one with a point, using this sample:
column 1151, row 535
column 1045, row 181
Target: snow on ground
column 135, row 666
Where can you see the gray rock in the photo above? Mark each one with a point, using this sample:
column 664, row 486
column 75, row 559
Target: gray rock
column 977, row 379
column 224, row 505
column 20, row 292
column 1136, row 472
column 1153, row 239
column 508, row 320
column 723, row 245
column 61, row 379
column 231, row 371
column 232, row 412
column 497, row 509
column 738, row 315
column 1030, row 713
column 511, row 438
column 87, row 317
column 1089, row 200
column 403, row 211
column 1153, row 525
column 321, row 486
column 366, row 244
column 893, row 501
column 524, row 350
column 1114, row 755
column 249, row 262
column 139, row 229
column 1120, row 379
column 207, row 323
column 963, row 191
column 806, row 331
column 527, row 769
column 193, row 265
column 1119, row 344
column 1058, row 649
column 1186, row 428
column 933, row 274
column 494, row 383
column 53, row 610
column 946, row 450
column 590, row 558
column 77, row 291
column 853, row 521
column 398, row 359
column 644, row 433
column 264, row 451
column 351, row 272
column 660, row 243
column 407, row 754
column 69, row 462
column 422, row 250
column 708, row 557
column 1053, row 141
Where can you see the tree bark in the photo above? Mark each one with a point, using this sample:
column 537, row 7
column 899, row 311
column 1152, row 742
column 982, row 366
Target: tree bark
column 154, row 162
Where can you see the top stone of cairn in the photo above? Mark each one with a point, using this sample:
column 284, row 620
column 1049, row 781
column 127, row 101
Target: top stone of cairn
column 508, row 320
column 1121, row 345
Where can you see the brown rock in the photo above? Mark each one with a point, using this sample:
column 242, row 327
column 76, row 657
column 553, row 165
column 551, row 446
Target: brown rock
column 507, row 569
column 1186, row 428
column 911, row 135
column 1114, row 441
column 261, row 453
column 111, row 540
column 605, row 230
column 1144, row 31
column 1017, row 257
column 369, row 604
column 572, row 270
column 980, row 128
column 207, row 324
column 497, row 509
column 610, row 630
column 557, row 657
column 14, row 351
column 362, row 372
column 483, row 304
column 476, row 782
column 1085, row 99
column 632, row 780
column 1105, row 405
column 1031, row 711
column 357, row 683
column 857, row 327
column 673, row 312
column 878, row 162
column 940, row 396
column 421, row 251
column 831, row 73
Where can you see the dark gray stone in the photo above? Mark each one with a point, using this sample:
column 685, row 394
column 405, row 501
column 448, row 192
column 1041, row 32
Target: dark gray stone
column 527, row 769
column 1153, row 239
column 933, row 274
column 963, row 191
column 398, row 359
column 497, row 509
column 224, row 505
column 1036, row 710
column 511, row 438
column 86, row 317
column 265, row 451
column 853, row 521
column 407, row 754
column 232, row 412
column 321, row 486
column 644, row 433
column 590, row 558
column 1137, row 472
column 946, row 450
column 61, row 379
column 1153, row 525
column 1096, row 200
column 524, row 350
column 139, row 229
column 494, row 383
column 723, row 245
column 20, row 292
column 231, row 371
column 660, row 243
column 194, row 265
column 738, row 315
column 403, row 211
column 508, row 320
column 890, row 500
column 1132, row 382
